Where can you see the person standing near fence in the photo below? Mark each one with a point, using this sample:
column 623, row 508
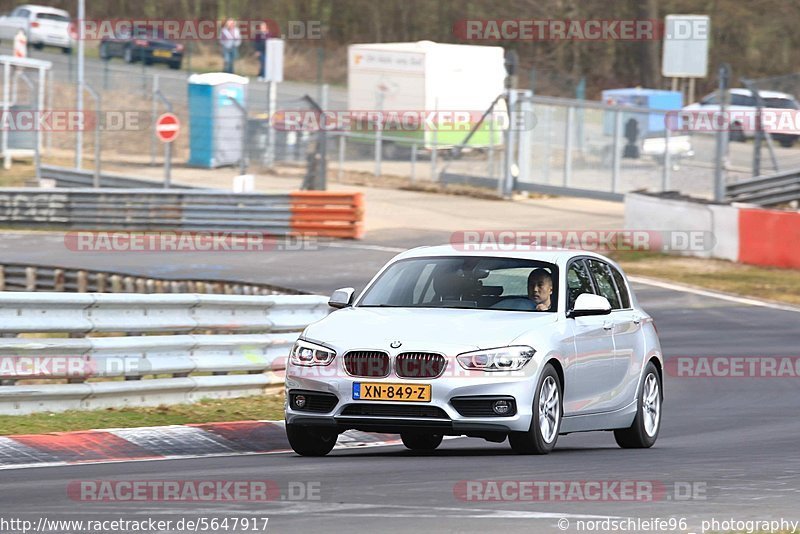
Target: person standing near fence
column 230, row 39
column 260, row 44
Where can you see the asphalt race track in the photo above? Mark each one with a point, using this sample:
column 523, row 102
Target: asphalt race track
column 732, row 441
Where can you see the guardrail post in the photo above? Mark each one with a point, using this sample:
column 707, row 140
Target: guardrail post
column 101, row 282
column 83, row 281
column 2, row 278
column 116, row 283
column 30, row 279
column 129, row 287
column 58, row 279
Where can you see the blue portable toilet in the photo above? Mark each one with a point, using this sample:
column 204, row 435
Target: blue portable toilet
column 216, row 125
column 649, row 123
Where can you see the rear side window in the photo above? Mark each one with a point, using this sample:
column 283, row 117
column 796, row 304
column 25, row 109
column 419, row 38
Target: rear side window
column 605, row 283
column 52, row 16
column 743, row 100
column 578, row 282
column 622, row 289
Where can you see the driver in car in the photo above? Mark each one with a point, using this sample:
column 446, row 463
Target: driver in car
column 540, row 289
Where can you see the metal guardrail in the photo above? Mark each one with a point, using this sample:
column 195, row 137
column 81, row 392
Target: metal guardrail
column 66, row 177
column 24, row 277
column 766, row 190
column 217, row 335
column 300, row 213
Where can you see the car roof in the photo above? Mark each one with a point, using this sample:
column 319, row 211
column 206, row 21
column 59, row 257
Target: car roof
column 762, row 94
column 548, row 254
column 44, row 9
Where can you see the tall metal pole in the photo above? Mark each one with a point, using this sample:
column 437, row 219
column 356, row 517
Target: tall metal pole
column 322, row 183
column 722, row 137
column 79, row 96
column 272, row 104
column 37, row 155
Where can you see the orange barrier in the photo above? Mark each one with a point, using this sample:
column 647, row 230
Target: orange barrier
column 769, row 237
column 327, row 214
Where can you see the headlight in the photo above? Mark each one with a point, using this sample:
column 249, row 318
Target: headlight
column 308, row 354
column 500, row 359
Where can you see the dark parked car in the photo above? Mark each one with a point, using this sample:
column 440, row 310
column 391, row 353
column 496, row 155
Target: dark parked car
column 142, row 44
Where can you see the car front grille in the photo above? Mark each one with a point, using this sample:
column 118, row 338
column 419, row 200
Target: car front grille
column 395, row 410
column 419, row 365
column 367, row 363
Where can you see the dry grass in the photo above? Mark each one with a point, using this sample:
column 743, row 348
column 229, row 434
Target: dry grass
column 262, row 407
column 770, row 283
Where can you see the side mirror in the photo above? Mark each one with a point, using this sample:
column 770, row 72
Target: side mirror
column 588, row 304
column 342, row 298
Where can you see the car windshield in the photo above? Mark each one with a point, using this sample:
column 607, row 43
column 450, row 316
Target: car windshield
column 483, row 283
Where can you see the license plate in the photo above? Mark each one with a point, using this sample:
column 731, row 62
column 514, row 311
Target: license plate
column 392, row 392
column 162, row 53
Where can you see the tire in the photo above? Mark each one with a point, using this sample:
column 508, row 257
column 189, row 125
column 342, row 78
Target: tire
column 787, row 143
column 421, row 442
column 307, row 441
column 128, row 55
column 103, row 52
column 547, row 410
column 38, row 46
column 66, row 50
column 175, row 65
column 643, row 433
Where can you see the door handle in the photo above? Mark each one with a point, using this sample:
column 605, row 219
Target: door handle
column 608, row 325
column 637, row 319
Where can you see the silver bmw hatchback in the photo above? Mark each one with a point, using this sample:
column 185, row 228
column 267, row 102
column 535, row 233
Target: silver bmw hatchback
column 518, row 345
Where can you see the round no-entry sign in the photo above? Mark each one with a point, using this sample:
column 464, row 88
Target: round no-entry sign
column 167, row 127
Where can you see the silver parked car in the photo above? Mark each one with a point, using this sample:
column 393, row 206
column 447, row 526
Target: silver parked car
column 524, row 345
column 42, row 25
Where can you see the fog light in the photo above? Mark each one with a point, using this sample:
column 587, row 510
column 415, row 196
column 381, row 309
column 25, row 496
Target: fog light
column 299, row 401
column 501, row 407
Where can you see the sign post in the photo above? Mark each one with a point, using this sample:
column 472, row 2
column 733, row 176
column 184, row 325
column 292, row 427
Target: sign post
column 273, row 74
column 168, row 126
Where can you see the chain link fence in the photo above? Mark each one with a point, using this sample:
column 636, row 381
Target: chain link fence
column 571, row 144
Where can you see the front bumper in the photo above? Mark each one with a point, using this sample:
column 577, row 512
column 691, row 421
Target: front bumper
column 519, row 387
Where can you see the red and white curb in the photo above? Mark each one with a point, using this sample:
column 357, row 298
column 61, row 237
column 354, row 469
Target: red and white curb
column 160, row 443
